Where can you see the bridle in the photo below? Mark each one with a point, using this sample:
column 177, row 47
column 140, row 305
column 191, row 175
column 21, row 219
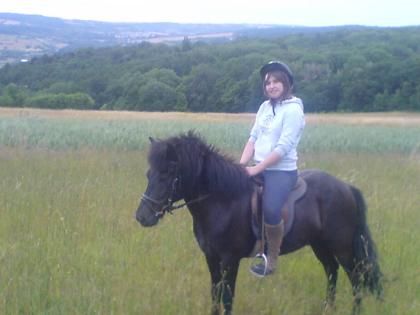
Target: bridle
column 168, row 205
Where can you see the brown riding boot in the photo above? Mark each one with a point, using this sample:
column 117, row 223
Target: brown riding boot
column 274, row 235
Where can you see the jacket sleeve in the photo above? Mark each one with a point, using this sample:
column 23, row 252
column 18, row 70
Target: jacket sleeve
column 293, row 124
column 256, row 128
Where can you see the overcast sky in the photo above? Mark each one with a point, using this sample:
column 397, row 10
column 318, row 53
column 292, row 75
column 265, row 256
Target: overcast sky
column 292, row 12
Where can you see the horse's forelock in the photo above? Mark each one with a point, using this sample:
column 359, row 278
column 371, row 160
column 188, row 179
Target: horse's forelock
column 185, row 150
column 158, row 155
column 191, row 152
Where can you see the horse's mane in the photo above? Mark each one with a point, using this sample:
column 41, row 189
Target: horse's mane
column 202, row 167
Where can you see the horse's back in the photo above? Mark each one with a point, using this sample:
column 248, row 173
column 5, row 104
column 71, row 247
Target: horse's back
column 326, row 186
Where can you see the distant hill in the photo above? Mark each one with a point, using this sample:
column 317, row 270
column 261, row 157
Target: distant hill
column 25, row 36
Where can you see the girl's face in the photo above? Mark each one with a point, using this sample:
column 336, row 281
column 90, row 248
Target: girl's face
column 274, row 88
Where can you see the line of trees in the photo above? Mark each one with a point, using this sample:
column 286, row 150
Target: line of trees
column 375, row 69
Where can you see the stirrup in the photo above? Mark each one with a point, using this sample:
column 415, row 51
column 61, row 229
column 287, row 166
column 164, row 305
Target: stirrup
column 260, row 258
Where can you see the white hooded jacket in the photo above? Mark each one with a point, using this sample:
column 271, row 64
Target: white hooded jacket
column 278, row 128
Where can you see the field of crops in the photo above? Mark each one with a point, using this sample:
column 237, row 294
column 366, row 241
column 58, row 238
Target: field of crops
column 70, row 183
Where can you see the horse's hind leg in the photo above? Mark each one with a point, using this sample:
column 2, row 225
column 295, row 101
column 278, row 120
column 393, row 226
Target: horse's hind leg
column 331, row 269
column 355, row 276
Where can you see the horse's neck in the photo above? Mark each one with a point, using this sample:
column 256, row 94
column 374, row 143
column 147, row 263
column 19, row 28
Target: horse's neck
column 212, row 214
column 219, row 227
column 203, row 211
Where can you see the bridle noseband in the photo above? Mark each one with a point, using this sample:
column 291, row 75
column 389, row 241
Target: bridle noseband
column 168, row 206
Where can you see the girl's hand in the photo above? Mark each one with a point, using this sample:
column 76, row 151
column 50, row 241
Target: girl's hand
column 271, row 159
column 252, row 170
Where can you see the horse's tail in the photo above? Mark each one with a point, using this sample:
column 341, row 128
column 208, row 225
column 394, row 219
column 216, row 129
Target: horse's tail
column 364, row 250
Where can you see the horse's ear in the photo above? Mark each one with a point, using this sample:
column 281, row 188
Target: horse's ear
column 152, row 140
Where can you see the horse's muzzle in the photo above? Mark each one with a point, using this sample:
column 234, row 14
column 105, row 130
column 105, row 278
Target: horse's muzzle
column 145, row 216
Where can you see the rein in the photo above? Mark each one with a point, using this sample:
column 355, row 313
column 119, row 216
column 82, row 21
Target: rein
column 169, row 205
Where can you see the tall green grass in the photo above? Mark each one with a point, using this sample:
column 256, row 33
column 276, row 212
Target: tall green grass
column 69, row 243
column 59, row 134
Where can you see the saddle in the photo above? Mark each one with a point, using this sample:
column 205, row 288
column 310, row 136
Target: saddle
column 288, row 212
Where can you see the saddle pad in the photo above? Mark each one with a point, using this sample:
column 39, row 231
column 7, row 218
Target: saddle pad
column 288, row 209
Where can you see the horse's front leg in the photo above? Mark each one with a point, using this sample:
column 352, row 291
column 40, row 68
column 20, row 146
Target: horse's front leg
column 223, row 280
column 214, row 265
column 229, row 273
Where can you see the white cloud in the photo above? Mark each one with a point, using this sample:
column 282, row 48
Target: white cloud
column 297, row 12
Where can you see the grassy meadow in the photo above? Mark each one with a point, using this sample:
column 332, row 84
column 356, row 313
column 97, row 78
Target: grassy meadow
column 70, row 182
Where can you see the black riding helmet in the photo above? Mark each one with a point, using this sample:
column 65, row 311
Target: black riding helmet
column 276, row 66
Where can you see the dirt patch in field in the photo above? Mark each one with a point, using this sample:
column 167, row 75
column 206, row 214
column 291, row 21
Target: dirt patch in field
column 393, row 118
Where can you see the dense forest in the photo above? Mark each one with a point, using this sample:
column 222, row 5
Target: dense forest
column 374, row 69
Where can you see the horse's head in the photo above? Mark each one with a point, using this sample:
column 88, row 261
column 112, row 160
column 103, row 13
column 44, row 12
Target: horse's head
column 186, row 167
column 163, row 184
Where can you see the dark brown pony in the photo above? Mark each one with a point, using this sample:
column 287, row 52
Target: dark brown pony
column 331, row 217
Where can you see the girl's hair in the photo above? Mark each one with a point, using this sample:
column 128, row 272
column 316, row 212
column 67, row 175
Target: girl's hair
column 284, row 79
